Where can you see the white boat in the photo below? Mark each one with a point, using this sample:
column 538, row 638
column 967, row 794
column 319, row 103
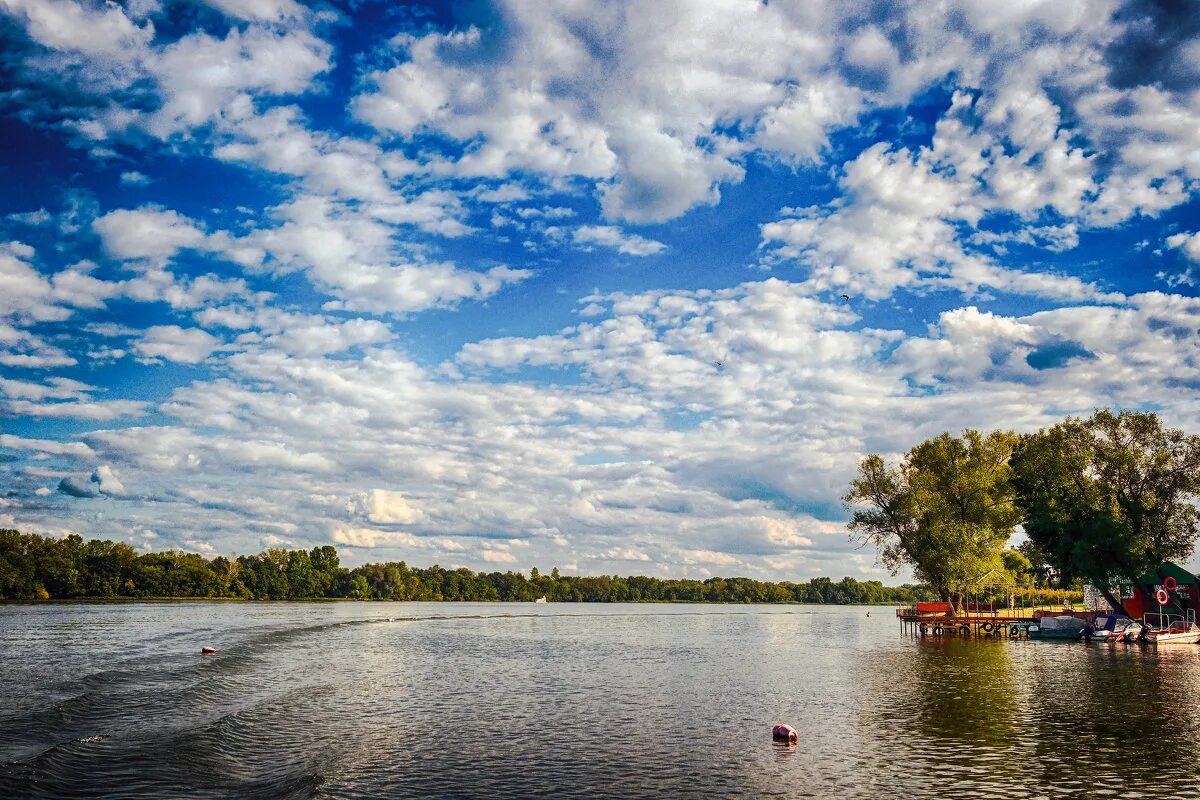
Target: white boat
column 1111, row 628
column 1179, row 632
column 541, row 599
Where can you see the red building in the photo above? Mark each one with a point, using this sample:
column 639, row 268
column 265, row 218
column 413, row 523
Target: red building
column 1184, row 596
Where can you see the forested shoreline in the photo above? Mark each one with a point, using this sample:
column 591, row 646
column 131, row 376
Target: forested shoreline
column 35, row 567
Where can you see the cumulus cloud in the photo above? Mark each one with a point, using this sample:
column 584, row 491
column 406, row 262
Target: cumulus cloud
column 368, row 537
column 385, row 507
column 102, row 483
column 609, row 236
column 148, row 232
column 173, row 343
column 102, row 31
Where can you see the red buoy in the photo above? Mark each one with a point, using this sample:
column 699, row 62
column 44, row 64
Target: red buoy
column 208, row 651
column 784, row 733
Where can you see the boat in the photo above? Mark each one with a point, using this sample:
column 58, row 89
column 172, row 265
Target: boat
column 541, row 599
column 1063, row 627
column 1178, row 632
column 1111, row 628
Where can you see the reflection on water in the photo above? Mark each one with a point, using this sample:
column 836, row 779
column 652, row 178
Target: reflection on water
column 419, row 700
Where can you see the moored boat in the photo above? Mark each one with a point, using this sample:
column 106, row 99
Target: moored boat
column 1062, row 627
column 1178, row 632
column 1111, row 628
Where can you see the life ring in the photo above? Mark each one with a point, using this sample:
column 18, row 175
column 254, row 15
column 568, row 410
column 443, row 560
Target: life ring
column 1162, row 597
column 987, row 627
column 1014, row 630
column 1169, row 583
column 937, row 630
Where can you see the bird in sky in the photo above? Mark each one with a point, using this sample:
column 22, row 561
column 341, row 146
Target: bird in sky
column 720, row 362
column 846, row 297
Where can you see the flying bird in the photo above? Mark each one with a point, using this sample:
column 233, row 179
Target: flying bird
column 720, row 362
column 846, row 297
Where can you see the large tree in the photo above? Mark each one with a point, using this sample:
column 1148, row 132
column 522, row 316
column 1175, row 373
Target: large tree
column 946, row 510
column 1108, row 498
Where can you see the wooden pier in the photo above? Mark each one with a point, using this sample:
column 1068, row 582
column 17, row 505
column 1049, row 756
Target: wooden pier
column 975, row 623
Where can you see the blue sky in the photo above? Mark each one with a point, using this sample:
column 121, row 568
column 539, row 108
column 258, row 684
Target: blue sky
column 445, row 282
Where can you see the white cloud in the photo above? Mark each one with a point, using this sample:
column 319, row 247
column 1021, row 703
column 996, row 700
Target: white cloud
column 350, row 255
column 173, row 343
column 147, row 232
column 493, row 556
column 269, row 10
column 101, row 31
column 203, row 78
column 1187, row 243
column 368, row 537
column 385, row 507
column 45, row 446
column 609, row 236
column 134, row 178
column 107, row 481
column 95, row 410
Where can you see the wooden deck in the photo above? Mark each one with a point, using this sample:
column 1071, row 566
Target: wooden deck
column 1008, row 622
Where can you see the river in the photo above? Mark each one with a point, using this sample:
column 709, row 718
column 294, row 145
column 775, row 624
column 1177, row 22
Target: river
column 562, row 700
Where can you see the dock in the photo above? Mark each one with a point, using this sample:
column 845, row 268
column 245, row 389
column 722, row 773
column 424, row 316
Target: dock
column 978, row 621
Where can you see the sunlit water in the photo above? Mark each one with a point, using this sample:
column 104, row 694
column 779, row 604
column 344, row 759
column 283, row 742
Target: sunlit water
column 523, row 700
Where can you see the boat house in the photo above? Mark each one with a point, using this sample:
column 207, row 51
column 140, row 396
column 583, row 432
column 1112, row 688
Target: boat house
column 1182, row 590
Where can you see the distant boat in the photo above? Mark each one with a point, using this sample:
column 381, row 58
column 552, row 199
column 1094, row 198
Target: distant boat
column 541, row 599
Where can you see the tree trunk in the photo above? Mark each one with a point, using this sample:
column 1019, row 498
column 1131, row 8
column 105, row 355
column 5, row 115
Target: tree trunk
column 946, row 597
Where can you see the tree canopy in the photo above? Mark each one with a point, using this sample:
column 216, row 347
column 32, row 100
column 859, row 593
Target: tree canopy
column 946, row 509
column 1108, row 498
column 35, row 567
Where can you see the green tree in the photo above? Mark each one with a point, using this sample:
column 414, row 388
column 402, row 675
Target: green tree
column 1108, row 498
column 1018, row 567
column 946, row 510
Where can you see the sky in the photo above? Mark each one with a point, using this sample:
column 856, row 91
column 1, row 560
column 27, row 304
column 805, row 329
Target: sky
column 449, row 283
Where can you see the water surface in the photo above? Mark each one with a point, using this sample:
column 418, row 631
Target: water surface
column 563, row 700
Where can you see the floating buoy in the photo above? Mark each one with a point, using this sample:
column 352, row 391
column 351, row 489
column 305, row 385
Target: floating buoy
column 784, row 733
column 1170, row 583
column 208, row 651
column 1162, row 597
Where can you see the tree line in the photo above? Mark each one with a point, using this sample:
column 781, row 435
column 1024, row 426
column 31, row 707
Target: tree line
column 35, row 567
column 1103, row 500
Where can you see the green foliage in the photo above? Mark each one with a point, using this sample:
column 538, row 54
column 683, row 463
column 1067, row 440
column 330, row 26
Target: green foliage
column 1108, row 498
column 1018, row 568
column 33, row 567
column 946, row 510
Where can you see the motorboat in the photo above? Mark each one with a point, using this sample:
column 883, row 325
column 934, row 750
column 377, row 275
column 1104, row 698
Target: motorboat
column 1062, row 627
column 1111, row 628
column 1178, row 632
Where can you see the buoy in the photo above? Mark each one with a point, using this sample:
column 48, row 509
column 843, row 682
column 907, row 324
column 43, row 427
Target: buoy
column 784, row 733
column 208, row 651
column 1162, row 597
column 1170, row 583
